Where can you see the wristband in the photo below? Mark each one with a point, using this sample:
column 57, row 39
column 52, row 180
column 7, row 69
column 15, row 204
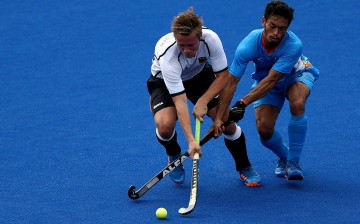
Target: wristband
column 244, row 102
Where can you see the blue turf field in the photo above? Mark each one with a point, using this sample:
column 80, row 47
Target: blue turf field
column 76, row 131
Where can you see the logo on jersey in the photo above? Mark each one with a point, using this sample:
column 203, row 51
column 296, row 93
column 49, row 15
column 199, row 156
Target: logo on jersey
column 202, row 59
column 259, row 60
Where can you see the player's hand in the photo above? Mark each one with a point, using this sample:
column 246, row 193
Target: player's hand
column 237, row 111
column 215, row 128
column 218, row 128
column 199, row 111
column 194, row 147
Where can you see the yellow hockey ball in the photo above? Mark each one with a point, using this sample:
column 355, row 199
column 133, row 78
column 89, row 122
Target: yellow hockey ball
column 161, row 213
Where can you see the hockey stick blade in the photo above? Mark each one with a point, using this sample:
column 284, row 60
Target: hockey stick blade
column 139, row 193
column 194, row 188
column 188, row 210
column 132, row 194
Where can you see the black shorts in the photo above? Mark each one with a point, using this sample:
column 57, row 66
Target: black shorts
column 194, row 88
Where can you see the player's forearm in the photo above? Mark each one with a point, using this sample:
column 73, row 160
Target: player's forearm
column 225, row 98
column 260, row 90
column 185, row 122
column 215, row 88
column 183, row 116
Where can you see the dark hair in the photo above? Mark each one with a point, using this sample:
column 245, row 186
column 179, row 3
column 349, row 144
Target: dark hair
column 279, row 8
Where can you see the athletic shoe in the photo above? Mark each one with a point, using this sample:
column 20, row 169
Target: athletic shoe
column 293, row 171
column 177, row 175
column 250, row 177
column 280, row 169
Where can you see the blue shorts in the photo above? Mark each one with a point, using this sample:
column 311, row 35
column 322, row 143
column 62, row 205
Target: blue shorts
column 277, row 95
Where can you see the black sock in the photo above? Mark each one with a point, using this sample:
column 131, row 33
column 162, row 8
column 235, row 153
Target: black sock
column 238, row 151
column 172, row 147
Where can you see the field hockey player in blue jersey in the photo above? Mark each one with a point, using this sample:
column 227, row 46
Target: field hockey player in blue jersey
column 281, row 72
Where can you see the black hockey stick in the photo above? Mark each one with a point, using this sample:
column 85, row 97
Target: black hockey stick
column 139, row 193
column 195, row 176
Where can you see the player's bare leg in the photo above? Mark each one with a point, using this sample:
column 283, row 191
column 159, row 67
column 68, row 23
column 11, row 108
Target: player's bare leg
column 165, row 120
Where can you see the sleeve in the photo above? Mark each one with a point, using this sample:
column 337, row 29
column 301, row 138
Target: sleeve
column 171, row 72
column 243, row 55
column 218, row 58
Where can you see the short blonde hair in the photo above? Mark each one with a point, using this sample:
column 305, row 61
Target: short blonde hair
column 186, row 22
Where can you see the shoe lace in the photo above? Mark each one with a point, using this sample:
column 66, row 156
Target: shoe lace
column 281, row 162
column 294, row 164
column 249, row 171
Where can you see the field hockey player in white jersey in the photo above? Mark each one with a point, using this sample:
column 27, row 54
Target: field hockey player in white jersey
column 190, row 64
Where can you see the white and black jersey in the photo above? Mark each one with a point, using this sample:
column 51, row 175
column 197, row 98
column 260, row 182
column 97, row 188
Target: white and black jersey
column 170, row 64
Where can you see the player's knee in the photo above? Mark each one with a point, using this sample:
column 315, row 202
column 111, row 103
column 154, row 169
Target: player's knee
column 265, row 131
column 297, row 107
column 230, row 129
column 165, row 131
column 265, row 134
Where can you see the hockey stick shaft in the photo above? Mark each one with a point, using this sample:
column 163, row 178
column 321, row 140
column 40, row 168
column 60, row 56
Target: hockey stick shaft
column 146, row 187
column 195, row 176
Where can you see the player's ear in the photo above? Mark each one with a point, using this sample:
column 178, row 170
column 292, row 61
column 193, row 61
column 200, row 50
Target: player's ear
column 263, row 21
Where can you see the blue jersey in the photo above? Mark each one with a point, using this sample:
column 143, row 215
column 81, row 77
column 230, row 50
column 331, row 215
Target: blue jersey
column 282, row 59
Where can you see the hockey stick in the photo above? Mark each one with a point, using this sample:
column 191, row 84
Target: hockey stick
column 139, row 193
column 195, row 176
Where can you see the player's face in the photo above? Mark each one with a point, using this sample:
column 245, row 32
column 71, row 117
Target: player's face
column 188, row 44
column 275, row 28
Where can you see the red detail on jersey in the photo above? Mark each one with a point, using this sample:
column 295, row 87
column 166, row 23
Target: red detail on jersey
column 267, row 49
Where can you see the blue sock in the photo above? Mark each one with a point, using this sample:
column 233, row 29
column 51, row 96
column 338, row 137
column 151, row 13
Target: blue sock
column 276, row 145
column 297, row 133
